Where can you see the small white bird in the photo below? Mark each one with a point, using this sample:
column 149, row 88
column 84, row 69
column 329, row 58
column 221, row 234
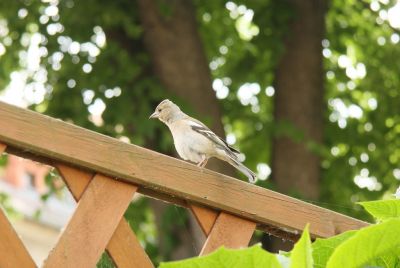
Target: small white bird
column 196, row 142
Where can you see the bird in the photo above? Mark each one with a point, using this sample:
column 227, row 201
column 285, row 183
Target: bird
column 195, row 142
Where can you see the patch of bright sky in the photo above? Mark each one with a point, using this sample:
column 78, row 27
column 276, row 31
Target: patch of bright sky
column 353, row 71
column 391, row 15
column 23, row 93
column 396, row 173
column 19, row 91
column 263, row 171
column 221, row 88
column 244, row 20
column 341, row 112
column 357, row 70
column 363, row 180
column 247, row 95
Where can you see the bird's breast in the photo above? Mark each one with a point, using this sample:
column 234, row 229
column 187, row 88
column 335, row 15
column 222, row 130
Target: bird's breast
column 191, row 145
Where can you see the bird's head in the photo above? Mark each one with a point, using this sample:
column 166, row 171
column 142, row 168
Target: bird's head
column 166, row 111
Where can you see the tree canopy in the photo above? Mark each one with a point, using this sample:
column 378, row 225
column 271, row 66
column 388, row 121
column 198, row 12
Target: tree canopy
column 95, row 64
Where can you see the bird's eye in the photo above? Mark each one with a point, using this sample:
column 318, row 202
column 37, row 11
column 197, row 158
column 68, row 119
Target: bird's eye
column 159, row 110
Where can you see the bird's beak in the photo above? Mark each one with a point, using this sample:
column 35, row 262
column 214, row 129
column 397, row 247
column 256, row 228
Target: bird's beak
column 154, row 115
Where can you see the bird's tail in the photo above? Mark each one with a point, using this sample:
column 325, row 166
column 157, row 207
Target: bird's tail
column 245, row 170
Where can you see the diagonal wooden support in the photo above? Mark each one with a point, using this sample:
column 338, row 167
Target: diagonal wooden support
column 222, row 229
column 205, row 217
column 12, row 251
column 97, row 215
column 229, row 231
column 124, row 247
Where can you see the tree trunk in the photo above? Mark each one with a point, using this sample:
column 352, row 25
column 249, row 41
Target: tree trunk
column 179, row 61
column 299, row 100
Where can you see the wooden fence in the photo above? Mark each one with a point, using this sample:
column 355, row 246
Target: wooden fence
column 103, row 174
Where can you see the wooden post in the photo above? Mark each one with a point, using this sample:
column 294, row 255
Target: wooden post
column 205, row 217
column 12, row 251
column 229, row 231
column 222, row 229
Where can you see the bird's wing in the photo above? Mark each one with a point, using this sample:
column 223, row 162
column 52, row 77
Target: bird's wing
column 202, row 129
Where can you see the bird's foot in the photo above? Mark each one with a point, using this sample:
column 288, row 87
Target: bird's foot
column 203, row 163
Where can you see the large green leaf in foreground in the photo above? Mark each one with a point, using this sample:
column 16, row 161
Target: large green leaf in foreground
column 367, row 245
column 301, row 255
column 252, row 257
column 383, row 209
column 324, row 247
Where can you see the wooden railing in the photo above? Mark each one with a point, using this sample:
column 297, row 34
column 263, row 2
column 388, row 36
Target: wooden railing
column 103, row 174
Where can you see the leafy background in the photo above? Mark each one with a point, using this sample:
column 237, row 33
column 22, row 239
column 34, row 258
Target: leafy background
column 89, row 62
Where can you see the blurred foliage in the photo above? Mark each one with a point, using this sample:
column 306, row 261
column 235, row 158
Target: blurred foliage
column 92, row 56
column 105, row 261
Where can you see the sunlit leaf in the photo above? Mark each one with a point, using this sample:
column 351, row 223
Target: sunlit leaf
column 252, row 257
column 383, row 209
column 301, row 255
column 324, row 247
column 366, row 245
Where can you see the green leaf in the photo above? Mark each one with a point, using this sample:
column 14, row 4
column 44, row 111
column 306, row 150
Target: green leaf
column 301, row 255
column 254, row 256
column 323, row 248
column 367, row 245
column 389, row 260
column 383, row 209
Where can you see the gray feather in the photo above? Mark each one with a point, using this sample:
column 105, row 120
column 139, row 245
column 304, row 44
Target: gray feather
column 245, row 170
column 222, row 144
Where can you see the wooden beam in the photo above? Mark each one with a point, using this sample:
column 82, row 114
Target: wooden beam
column 229, row 231
column 64, row 142
column 124, row 247
column 97, row 215
column 12, row 251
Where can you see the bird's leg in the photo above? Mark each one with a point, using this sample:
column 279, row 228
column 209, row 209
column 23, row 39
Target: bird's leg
column 203, row 162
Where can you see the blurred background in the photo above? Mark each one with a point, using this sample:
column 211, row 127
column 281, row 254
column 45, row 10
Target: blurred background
column 308, row 90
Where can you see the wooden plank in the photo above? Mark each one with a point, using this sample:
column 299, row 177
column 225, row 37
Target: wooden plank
column 228, row 231
column 124, row 247
column 205, row 217
column 126, row 250
column 153, row 193
column 97, row 215
column 276, row 231
column 75, row 179
column 61, row 141
column 12, row 251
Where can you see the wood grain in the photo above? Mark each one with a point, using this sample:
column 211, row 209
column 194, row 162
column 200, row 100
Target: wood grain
column 228, row 231
column 124, row 247
column 12, row 251
column 61, row 141
column 205, row 217
column 97, row 215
